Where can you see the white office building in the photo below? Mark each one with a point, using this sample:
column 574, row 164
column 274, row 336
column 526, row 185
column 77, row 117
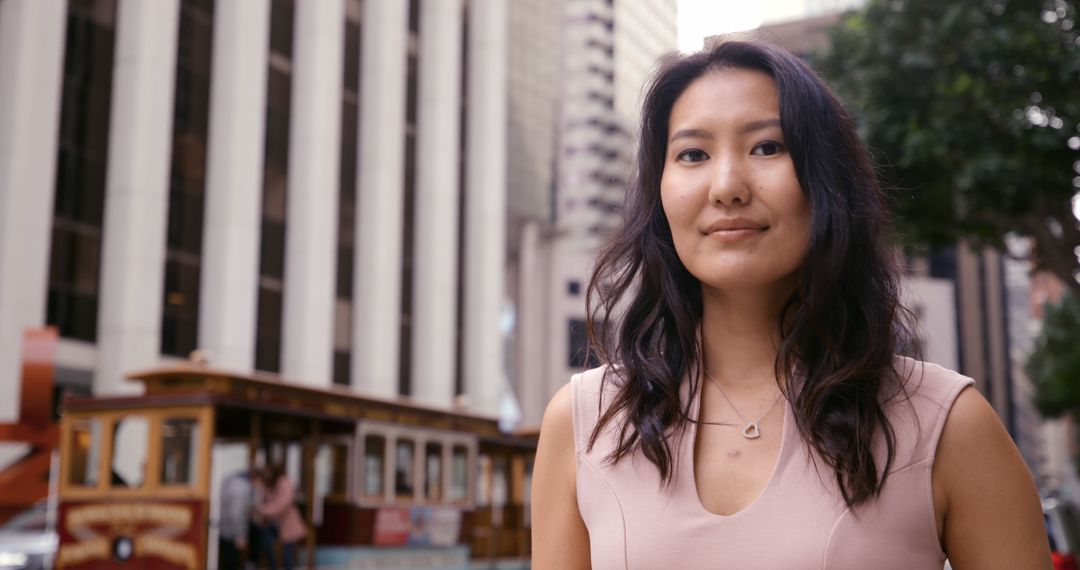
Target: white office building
column 608, row 49
column 315, row 189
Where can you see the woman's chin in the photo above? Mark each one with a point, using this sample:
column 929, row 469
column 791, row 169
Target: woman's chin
column 747, row 281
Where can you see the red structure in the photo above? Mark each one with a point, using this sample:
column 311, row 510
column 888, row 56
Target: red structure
column 26, row 481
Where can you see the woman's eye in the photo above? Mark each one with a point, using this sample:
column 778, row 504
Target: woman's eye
column 691, row 155
column 767, row 148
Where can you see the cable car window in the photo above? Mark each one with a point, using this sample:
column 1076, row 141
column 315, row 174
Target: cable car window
column 403, row 468
column 374, row 452
column 85, row 451
column 433, row 471
column 179, row 451
column 129, row 452
column 459, row 474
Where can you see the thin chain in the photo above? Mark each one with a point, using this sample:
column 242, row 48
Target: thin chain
column 727, row 424
column 742, row 417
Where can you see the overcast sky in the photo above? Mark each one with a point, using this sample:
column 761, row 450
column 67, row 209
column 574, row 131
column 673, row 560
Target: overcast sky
column 698, row 19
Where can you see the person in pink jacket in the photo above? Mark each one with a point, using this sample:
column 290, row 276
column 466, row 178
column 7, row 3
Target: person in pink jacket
column 279, row 508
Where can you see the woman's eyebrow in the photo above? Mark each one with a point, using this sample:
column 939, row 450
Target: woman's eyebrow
column 690, row 134
column 703, row 134
column 758, row 125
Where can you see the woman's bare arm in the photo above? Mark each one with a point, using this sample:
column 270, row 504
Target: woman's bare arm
column 559, row 537
column 992, row 513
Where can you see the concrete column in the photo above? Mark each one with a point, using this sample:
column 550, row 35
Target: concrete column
column 136, row 192
column 314, row 165
column 31, row 68
column 529, row 374
column 435, row 258
column 380, row 199
column 232, row 219
column 970, row 309
column 995, row 323
column 983, row 337
column 485, row 210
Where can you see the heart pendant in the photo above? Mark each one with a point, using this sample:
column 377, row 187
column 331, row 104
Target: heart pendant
column 751, row 431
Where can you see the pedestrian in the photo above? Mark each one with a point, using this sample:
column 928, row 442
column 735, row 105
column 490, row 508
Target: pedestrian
column 279, row 509
column 236, row 500
column 751, row 411
column 263, row 535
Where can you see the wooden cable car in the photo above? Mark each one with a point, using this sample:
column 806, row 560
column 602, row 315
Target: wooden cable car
column 380, row 482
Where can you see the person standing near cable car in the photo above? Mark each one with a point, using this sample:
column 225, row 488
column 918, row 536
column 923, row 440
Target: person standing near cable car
column 279, row 508
column 236, row 495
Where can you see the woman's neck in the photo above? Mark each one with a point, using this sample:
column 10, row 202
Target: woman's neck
column 740, row 337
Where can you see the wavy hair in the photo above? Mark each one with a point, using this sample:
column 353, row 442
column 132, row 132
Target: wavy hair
column 839, row 330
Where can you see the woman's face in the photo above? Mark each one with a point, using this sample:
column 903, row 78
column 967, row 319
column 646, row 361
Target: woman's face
column 738, row 217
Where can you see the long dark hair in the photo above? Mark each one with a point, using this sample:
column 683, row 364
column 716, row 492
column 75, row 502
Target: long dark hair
column 839, row 330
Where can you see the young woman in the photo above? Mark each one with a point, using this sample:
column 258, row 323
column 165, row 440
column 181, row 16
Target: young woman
column 753, row 413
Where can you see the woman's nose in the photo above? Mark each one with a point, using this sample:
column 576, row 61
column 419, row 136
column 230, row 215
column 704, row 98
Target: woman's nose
column 728, row 185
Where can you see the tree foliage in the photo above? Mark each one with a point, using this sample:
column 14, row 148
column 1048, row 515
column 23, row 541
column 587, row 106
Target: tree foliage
column 972, row 111
column 1054, row 365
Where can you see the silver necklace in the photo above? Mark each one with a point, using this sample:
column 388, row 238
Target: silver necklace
column 753, row 428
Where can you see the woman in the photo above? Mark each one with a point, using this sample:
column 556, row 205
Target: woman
column 753, row 414
column 278, row 508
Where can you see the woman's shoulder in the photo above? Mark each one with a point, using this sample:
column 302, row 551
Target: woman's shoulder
column 926, row 397
column 577, row 406
column 959, row 412
column 594, row 379
column 929, row 384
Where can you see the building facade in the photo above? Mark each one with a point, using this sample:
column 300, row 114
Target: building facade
column 314, row 189
column 607, row 50
column 402, row 197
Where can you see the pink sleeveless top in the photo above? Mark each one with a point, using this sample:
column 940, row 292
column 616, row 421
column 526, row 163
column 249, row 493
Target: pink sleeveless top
column 798, row 522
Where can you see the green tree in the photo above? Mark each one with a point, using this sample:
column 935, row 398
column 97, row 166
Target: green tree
column 972, row 110
column 1054, row 365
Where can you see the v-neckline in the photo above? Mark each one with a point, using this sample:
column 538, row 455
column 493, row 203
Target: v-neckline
column 690, row 459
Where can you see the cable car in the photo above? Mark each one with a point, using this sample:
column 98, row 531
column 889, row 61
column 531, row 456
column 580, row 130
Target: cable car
column 379, row 482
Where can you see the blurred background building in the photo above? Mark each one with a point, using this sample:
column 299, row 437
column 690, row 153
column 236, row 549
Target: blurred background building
column 609, row 48
column 402, row 197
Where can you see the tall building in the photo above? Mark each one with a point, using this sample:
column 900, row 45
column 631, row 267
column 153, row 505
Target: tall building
column 535, row 76
column 403, row 197
column 352, row 192
column 608, row 48
column 314, row 189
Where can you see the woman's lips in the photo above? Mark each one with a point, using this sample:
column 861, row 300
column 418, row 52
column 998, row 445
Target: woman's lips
column 735, row 234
